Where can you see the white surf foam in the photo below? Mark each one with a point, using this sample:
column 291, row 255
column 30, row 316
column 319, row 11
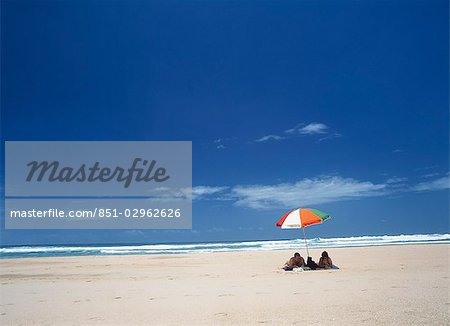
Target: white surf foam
column 362, row 241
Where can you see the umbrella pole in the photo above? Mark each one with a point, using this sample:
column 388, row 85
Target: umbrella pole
column 306, row 243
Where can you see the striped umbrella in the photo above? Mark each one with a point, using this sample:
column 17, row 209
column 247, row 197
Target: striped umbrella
column 301, row 218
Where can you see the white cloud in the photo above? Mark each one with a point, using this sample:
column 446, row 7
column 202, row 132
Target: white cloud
column 305, row 192
column 313, row 191
column 396, row 180
column 438, row 184
column 269, row 137
column 310, row 129
column 201, row 192
column 220, row 146
column 195, row 193
column 313, row 128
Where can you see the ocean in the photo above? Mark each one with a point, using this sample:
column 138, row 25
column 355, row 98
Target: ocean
column 152, row 249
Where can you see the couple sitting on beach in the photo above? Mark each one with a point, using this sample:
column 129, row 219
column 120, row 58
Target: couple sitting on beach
column 297, row 261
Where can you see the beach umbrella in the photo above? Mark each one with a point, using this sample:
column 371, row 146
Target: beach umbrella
column 301, row 218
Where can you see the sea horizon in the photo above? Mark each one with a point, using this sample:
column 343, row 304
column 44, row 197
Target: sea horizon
column 58, row 250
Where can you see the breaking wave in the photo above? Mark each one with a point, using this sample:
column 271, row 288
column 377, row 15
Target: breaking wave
column 86, row 250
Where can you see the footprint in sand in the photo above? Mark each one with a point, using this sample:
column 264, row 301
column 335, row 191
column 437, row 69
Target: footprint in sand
column 221, row 314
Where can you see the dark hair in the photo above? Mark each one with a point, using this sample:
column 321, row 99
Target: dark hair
column 324, row 254
column 296, row 254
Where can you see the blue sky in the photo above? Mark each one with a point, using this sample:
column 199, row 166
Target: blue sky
column 339, row 105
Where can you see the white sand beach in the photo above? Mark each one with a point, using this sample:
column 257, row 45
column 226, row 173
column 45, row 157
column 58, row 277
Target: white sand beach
column 401, row 285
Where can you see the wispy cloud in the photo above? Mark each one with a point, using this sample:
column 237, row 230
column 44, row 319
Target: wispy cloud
column 426, row 168
column 305, row 192
column 270, row 137
column 314, row 191
column 302, row 129
column 201, row 192
column 219, row 143
column 429, row 175
column 437, row 184
column 396, row 180
column 312, row 128
column 216, row 229
column 335, row 135
column 223, row 142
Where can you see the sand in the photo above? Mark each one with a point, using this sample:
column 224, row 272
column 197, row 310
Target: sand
column 402, row 285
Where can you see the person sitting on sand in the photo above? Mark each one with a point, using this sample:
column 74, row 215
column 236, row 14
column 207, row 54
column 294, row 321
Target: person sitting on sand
column 296, row 261
column 325, row 261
